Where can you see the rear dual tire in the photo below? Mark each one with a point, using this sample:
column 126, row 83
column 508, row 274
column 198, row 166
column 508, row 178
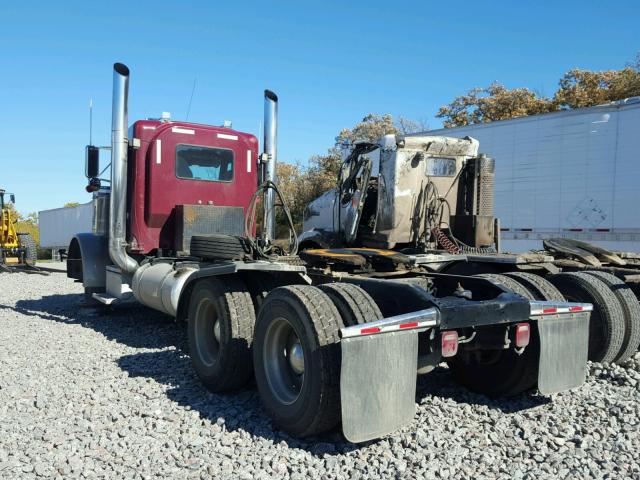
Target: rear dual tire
column 499, row 372
column 507, row 372
column 220, row 327
column 297, row 359
column 630, row 310
column 607, row 321
column 354, row 304
column 293, row 350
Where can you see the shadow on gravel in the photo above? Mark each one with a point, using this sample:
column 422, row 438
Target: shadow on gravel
column 439, row 383
column 140, row 327
column 239, row 410
column 133, row 325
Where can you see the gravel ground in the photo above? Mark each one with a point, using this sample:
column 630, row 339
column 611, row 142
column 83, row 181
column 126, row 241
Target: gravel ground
column 91, row 393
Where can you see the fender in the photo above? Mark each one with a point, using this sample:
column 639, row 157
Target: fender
column 87, row 261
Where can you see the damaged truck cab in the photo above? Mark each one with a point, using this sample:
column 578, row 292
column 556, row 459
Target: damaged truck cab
column 386, row 188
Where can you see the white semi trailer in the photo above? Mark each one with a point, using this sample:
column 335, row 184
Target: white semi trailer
column 58, row 226
column 568, row 174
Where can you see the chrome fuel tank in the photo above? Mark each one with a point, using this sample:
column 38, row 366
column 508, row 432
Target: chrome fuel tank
column 159, row 285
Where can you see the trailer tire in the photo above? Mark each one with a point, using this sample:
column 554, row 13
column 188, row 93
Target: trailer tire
column 219, row 247
column 606, row 325
column 631, row 310
column 222, row 360
column 354, row 304
column 541, row 288
column 26, row 241
column 507, row 373
column 301, row 393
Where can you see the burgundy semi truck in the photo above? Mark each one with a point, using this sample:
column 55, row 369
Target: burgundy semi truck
column 333, row 342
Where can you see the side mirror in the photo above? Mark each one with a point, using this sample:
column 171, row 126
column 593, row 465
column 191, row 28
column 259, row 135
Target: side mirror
column 92, row 162
column 12, row 197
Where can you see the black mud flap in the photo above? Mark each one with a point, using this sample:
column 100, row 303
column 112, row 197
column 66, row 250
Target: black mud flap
column 564, row 342
column 378, row 384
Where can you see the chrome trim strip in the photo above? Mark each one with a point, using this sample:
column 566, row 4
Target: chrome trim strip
column 427, row 318
column 553, row 308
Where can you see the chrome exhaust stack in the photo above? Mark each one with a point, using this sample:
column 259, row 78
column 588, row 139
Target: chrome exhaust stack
column 269, row 168
column 119, row 147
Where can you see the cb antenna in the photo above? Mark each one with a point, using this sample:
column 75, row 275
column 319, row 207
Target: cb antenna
column 193, row 89
column 90, row 120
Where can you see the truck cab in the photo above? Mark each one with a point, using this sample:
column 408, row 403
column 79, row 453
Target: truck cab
column 176, row 164
column 387, row 193
column 183, row 179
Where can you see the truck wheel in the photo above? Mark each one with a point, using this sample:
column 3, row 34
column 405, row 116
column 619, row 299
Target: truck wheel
column 606, row 325
column 219, row 247
column 296, row 357
column 354, row 304
column 27, row 242
column 631, row 310
column 539, row 287
column 499, row 372
column 510, row 283
column 220, row 326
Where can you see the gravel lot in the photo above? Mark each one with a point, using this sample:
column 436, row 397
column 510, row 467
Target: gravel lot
column 96, row 393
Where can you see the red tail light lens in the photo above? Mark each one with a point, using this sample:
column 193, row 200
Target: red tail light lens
column 523, row 334
column 449, row 343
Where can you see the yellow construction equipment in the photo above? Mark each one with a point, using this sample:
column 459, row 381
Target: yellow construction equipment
column 16, row 249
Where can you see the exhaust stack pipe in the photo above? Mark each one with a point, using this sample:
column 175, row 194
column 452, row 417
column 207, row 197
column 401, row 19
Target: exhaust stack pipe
column 269, row 172
column 119, row 146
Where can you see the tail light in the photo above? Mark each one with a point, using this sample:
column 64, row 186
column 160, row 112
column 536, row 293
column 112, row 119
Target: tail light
column 449, row 343
column 523, row 334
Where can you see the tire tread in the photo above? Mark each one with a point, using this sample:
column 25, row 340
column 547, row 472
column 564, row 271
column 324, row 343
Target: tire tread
column 607, row 310
column 326, row 322
column 237, row 306
column 631, row 310
column 354, row 304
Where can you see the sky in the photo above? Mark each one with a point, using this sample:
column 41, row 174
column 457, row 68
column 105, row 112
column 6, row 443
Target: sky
column 330, row 63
